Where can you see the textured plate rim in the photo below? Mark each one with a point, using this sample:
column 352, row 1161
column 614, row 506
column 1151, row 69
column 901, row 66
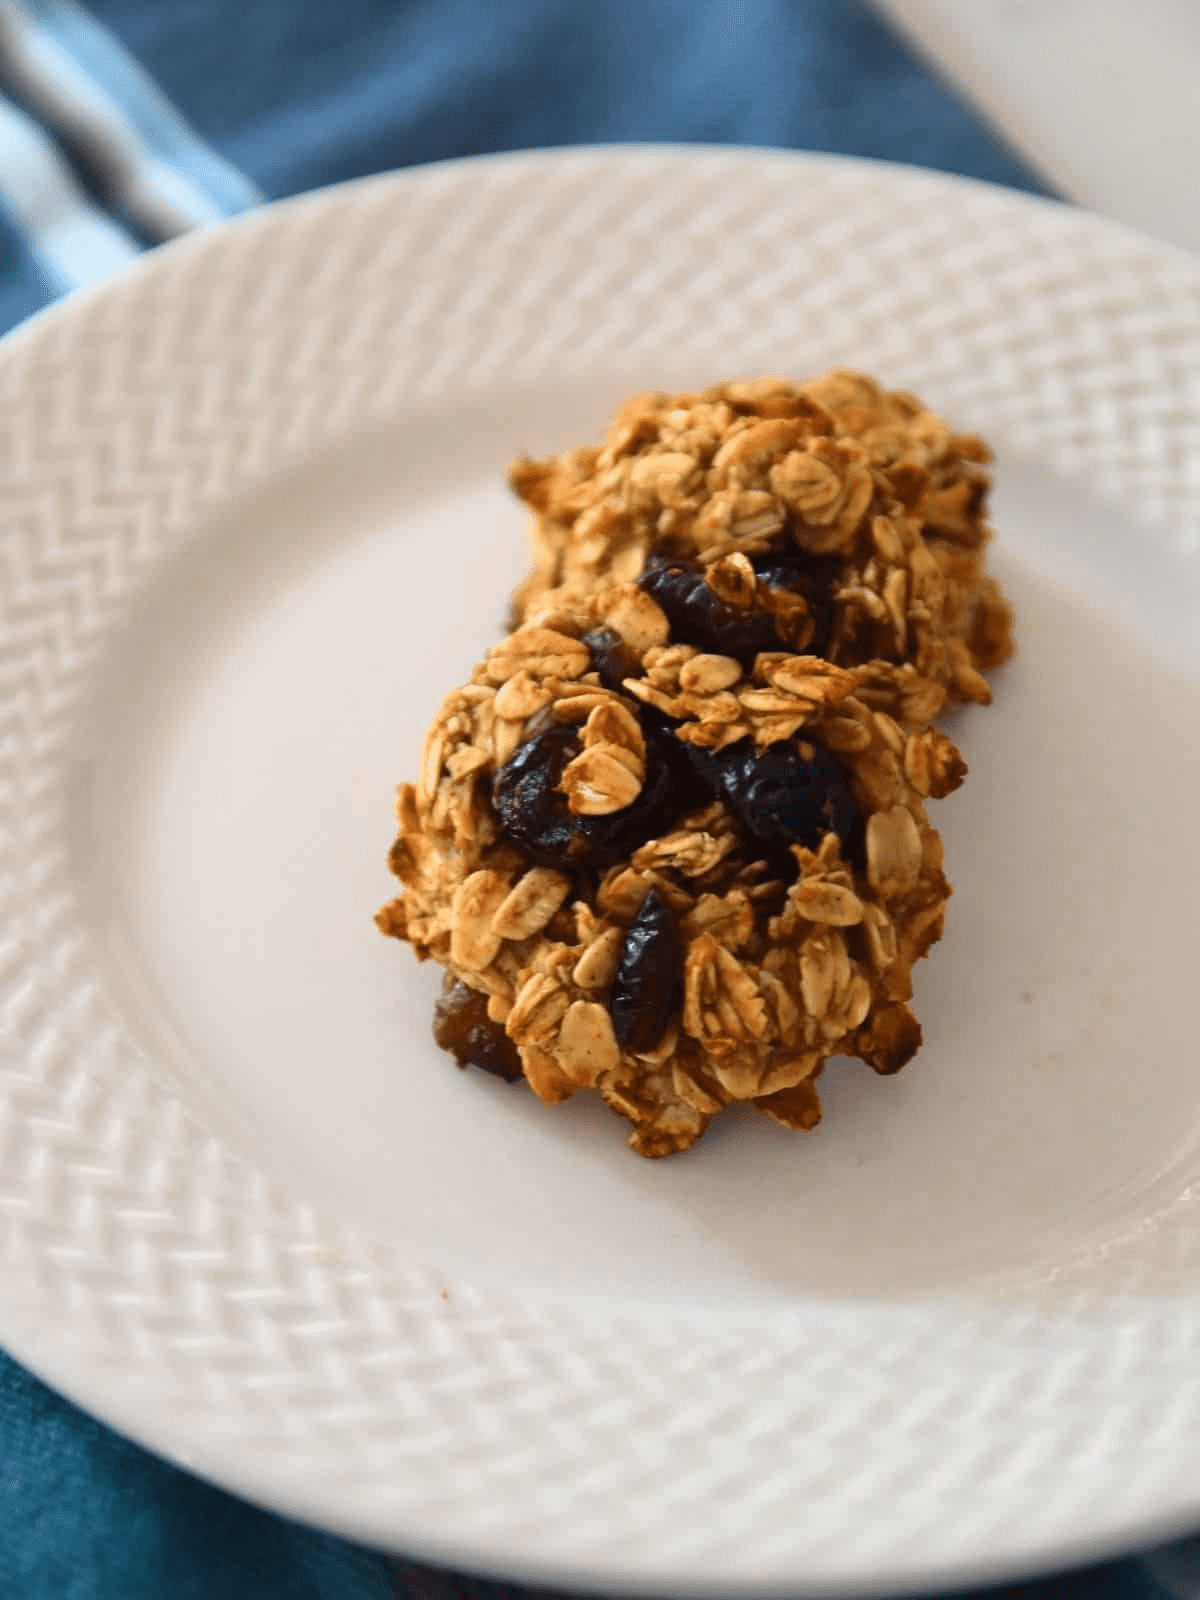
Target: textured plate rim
column 55, row 1363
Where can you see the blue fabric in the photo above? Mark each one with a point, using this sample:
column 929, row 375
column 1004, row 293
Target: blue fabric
column 22, row 288
column 305, row 93
column 85, row 1515
column 298, row 93
column 165, row 133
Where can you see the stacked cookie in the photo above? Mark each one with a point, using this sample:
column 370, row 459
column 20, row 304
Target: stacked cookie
column 670, row 842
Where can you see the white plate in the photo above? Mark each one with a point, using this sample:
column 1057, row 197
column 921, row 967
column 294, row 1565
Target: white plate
column 255, row 525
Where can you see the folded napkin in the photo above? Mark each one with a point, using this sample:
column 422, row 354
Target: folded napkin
column 136, row 120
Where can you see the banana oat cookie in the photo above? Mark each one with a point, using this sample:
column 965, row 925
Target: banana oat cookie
column 830, row 517
column 677, row 876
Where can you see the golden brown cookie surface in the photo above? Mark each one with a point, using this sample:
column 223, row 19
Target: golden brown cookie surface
column 673, row 918
column 884, row 500
column 670, row 841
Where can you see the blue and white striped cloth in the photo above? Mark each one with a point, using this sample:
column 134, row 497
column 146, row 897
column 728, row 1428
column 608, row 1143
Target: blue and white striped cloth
column 128, row 123
column 95, row 162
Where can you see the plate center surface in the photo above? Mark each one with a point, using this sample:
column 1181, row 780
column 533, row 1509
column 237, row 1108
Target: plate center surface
column 231, row 828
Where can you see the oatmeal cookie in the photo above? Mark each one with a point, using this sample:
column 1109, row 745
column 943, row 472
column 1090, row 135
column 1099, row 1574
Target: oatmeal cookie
column 829, row 517
column 677, row 876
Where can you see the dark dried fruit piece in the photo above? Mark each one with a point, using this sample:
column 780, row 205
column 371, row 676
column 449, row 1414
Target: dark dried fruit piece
column 533, row 809
column 462, row 1026
column 612, row 658
column 788, row 567
column 690, row 790
column 698, row 617
column 645, row 993
column 525, row 794
column 790, row 793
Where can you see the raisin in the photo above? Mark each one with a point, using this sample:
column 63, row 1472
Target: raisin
column 528, row 802
column 462, row 1026
column 612, row 658
column 533, row 809
column 789, row 567
column 618, row 835
column 790, row 793
column 646, row 990
column 699, row 618
column 689, row 787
